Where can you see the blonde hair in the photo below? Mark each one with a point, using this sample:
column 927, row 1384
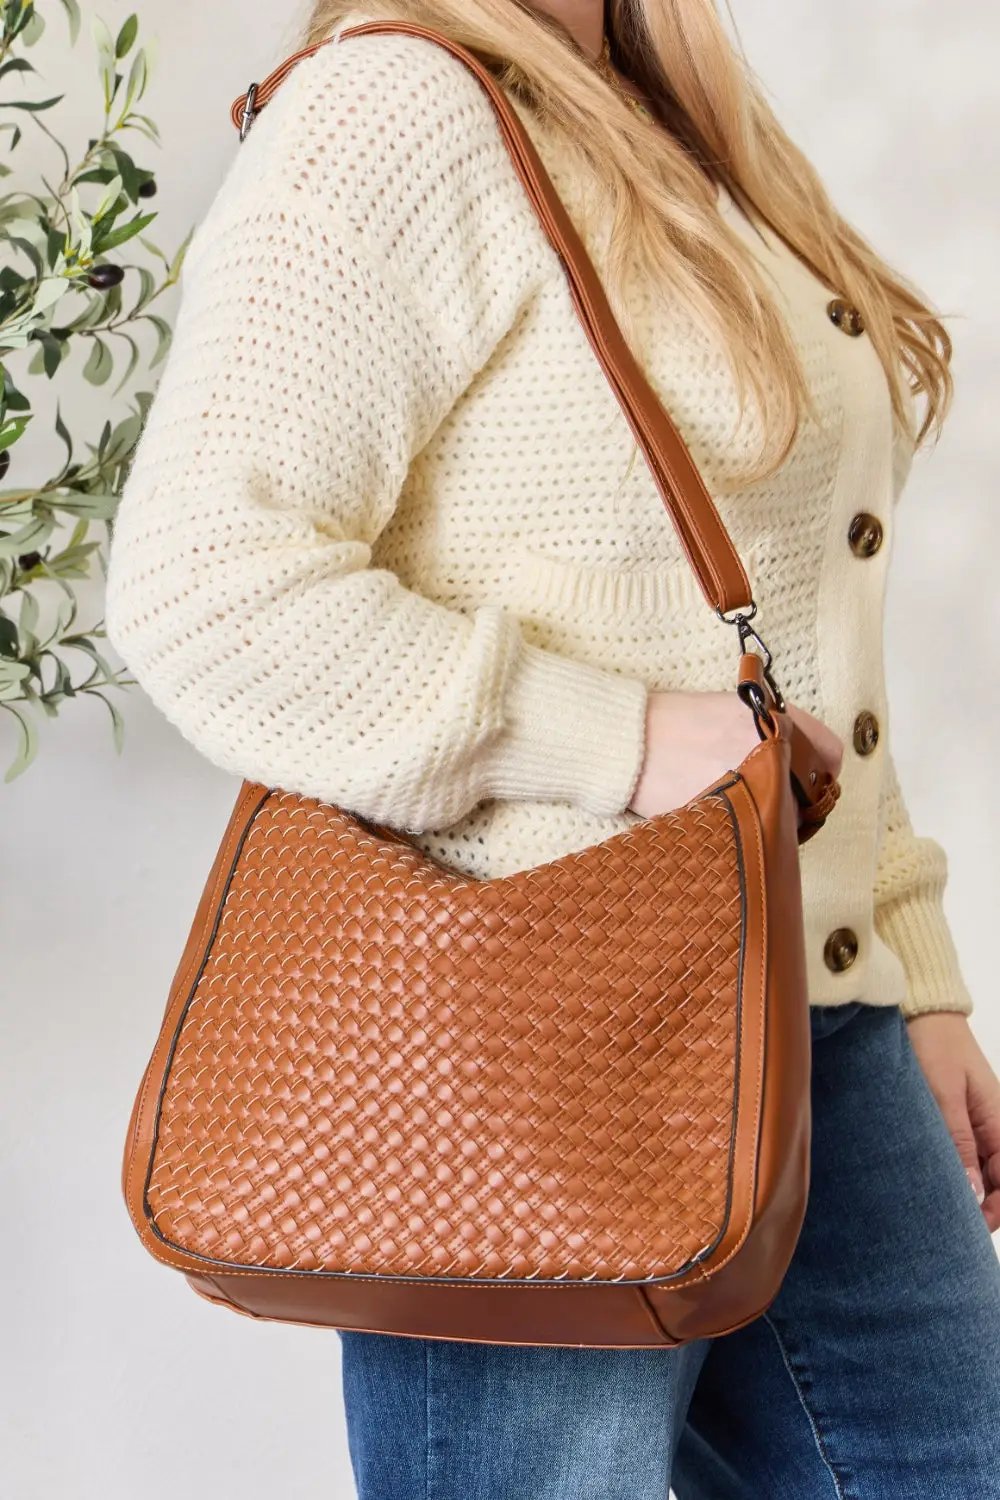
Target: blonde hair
column 663, row 201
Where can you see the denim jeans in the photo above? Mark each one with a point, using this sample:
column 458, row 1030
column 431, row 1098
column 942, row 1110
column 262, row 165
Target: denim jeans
column 875, row 1375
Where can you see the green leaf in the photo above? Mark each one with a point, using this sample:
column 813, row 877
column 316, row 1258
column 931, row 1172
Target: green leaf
column 14, row 400
column 82, row 228
column 127, row 35
column 137, row 80
column 178, row 261
column 73, row 15
column 99, row 363
column 122, row 441
column 63, row 677
column 16, row 65
column 62, row 431
column 93, row 312
column 50, row 290
column 50, row 699
column 144, row 125
column 62, row 686
column 27, row 629
column 95, row 174
column 10, row 433
column 32, row 31
column 97, row 507
column 53, row 352
column 106, row 59
column 28, row 746
column 16, row 222
column 34, row 106
column 147, row 244
column 72, row 562
column 164, row 334
column 22, row 224
column 12, row 675
column 133, row 360
column 31, row 251
column 27, row 620
column 8, row 636
column 66, row 608
column 147, row 287
column 108, row 198
column 17, row 508
column 85, row 644
column 102, row 39
column 113, row 302
column 124, row 232
column 28, row 538
column 117, row 722
column 132, row 177
column 56, row 247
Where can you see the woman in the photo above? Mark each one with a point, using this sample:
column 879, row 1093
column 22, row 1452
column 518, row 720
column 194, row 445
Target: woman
column 386, row 542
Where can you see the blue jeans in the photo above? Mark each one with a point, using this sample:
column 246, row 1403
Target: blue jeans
column 875, row 1375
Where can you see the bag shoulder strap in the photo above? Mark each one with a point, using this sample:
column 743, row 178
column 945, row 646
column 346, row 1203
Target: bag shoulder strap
column 706, row 542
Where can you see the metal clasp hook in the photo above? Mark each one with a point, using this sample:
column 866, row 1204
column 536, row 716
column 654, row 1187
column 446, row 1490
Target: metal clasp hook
column 746, row 633
column 249, row 113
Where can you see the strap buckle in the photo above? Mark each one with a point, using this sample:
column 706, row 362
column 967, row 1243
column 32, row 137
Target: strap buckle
column 249, row 113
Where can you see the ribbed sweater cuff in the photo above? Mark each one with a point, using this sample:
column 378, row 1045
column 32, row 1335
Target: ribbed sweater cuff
column 572, row 732
column 916, row 929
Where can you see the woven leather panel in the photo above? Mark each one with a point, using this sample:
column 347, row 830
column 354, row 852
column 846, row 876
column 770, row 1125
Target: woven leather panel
column 390, row 1068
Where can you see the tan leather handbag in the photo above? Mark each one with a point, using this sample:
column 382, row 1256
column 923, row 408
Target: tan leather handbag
column 568, row 1106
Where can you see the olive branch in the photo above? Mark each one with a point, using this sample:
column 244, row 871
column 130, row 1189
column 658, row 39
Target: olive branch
column 62, row 291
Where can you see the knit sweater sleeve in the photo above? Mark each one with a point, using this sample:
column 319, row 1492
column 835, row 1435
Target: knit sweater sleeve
column 911, row 874
column 346, row 285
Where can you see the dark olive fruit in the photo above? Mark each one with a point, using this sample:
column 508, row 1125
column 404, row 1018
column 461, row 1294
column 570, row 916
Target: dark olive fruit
column 103, row 277
column 29, row 560
column 4, row 461
column 147, row 189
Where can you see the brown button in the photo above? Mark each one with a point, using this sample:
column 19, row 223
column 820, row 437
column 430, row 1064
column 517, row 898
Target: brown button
column 847, row 318
column 865, row 732
column 841, row 949
column 865, row 534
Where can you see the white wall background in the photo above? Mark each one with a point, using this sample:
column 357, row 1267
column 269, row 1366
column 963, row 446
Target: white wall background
column 116, row 1378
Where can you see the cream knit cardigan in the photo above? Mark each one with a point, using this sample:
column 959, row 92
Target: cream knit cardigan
column 387, row 540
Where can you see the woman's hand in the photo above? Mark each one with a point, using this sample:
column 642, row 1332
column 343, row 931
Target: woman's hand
column 694, row 738
column 968, row 1093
